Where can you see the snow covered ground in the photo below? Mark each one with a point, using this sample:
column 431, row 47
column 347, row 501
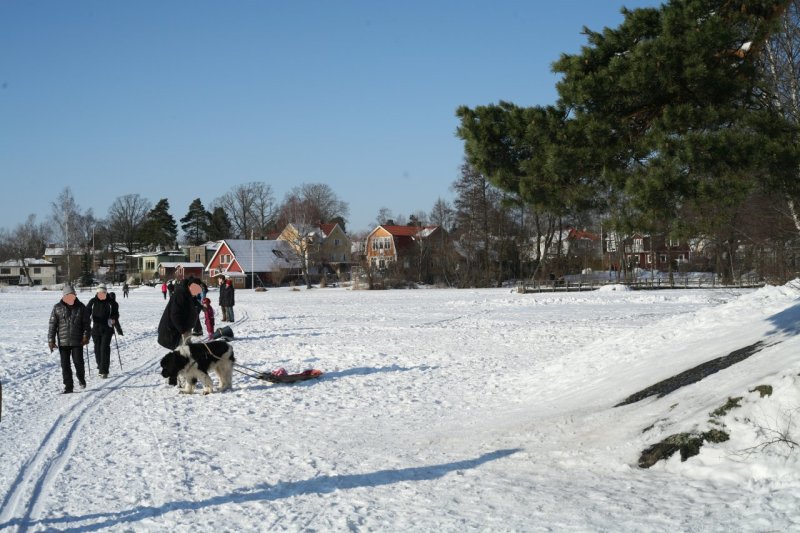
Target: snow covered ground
column 439, row 410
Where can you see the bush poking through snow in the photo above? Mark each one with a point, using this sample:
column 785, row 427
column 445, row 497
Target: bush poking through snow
column 763, row 390
column 688, row 444
column 730, row 404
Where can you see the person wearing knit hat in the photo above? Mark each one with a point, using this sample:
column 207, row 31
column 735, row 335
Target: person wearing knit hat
column 69, row 325
column 105, row 313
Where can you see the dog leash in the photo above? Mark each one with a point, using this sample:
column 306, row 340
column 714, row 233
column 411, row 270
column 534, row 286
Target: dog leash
column 249, row 372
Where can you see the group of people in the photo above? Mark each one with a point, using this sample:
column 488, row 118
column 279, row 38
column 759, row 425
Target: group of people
column 72, row 324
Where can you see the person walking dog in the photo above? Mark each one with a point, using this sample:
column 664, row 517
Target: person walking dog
column 180, row 314
column 70, row 325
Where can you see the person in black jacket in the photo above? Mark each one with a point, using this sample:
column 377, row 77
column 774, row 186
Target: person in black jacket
column 222, row 299
column 227, row 300
column 105, row 313
column 69, row 322
column 180, row 314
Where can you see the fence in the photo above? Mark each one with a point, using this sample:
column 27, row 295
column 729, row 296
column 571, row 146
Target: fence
column 643, row 284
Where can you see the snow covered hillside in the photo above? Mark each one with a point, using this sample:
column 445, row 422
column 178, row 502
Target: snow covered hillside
column 439, row 410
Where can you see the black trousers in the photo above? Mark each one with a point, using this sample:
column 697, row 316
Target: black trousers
column 76, row 354
column 102, row 348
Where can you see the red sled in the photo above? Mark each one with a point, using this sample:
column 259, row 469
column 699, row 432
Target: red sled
column 281, row 376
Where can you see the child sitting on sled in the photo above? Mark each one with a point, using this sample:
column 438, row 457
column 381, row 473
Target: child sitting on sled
column 209, row 311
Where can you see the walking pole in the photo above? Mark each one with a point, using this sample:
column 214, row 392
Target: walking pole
column 86, row 369
column 118, row 355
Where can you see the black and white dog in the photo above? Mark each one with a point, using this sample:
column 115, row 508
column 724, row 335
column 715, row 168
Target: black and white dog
column 194, row 361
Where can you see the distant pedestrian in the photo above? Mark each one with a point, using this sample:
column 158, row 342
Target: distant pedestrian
column 125, row 289
column 70, row 325
column 164, row 289
column 209, row 312
column 104, row 312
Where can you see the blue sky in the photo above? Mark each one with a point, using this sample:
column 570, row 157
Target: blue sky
column 187, row 99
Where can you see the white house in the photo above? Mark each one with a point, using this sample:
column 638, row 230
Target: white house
column 42, row 272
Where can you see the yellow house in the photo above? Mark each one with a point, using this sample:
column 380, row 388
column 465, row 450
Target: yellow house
column 323, row 247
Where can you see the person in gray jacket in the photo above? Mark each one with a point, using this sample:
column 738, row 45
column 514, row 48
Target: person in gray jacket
column 70, row 323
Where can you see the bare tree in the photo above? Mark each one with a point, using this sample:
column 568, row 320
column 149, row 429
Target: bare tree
column 250, row 207
column 323, row 200
column 302, row 233
column 442, row 214
column 384, row 217
column 317, row 202
column 126, row 216
column 64, row 217
column 26, row 241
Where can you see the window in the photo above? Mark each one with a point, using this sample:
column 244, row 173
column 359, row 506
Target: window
column 649, row 259
column 662, row 258
column 381, row 243
column 611, row 245
column 5, row 270
column 149, row 264
column 37, row 270
column 674, row 243
column 225, row 259
column 196, row 258
column 278, row 253
column 336, row 242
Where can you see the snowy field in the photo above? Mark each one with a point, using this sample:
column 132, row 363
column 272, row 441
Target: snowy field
column 439, row 410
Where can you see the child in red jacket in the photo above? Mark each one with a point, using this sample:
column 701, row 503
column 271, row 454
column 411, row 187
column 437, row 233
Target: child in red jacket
column 209, row 311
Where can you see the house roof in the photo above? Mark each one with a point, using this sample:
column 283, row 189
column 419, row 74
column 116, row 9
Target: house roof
column 327, row 229
column 577, row 234
column 28, row 262
column 190, row 265
column 53, row 249
column 402, row 231
column 263, row 256
column 410, row 231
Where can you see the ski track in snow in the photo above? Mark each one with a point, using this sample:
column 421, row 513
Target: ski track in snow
column 28, row 493
column 439, row 410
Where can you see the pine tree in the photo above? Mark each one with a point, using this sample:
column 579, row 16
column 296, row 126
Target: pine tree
column 160, row 228
column 195, row 223
column 219, row 226
column 670, row 104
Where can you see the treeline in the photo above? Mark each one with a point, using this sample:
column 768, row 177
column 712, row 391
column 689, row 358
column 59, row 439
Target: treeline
column 133, row 223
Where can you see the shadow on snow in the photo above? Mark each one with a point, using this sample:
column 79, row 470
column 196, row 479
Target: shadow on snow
column 265, row 492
